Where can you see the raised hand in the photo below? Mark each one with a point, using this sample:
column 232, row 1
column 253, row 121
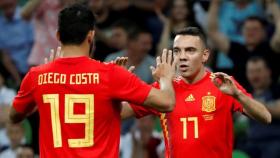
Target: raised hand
column 54, row 55
column 225, row 83
column 165, row 68
column 161, row 16
column 122, row 61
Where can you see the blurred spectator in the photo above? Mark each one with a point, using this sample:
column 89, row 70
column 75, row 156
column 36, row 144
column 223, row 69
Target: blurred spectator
column 119, row 35
column 15, row 132
column 45, row 14
column 7, row 68
column 233, row 13
column 263, row 140
column 4, row 118
column 135, row 10
column 104, row 20
column 16, row 35
column 255, row 36
column 25, row 151
column 181, row 15
column 138, row 46
column 6, row 97
column 108, row 13
column 139, row 43
column 143, row 141
column 6, row 94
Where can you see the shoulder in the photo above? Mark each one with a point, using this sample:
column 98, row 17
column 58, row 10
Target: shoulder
column 39, row 68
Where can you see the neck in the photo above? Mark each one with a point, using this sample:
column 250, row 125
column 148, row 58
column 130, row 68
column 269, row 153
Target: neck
column 75, row 50
column 196, row 77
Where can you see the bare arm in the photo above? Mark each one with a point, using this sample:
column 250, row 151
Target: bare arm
column 126, row 111
column 275, row 10
column 220, row 41
column 274, row 108
column 16, row 117
column 163, row 99
column 29, row 8
column 11, row 68
column 251, row 107
column 165, row 35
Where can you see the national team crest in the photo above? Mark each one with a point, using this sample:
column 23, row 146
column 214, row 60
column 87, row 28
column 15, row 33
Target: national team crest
column 208, row 103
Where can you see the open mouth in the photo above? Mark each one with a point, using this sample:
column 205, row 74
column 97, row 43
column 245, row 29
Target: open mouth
column 183, row 67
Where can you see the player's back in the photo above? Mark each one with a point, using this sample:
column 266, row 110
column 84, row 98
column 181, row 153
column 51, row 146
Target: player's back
column 77, row 116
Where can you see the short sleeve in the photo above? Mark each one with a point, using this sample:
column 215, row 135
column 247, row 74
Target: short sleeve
column 127, row 86
column 24, row 101
column 141, row 111
column 236, row 105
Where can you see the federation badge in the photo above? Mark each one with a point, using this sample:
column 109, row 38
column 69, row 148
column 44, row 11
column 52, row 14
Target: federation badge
column 208, row 103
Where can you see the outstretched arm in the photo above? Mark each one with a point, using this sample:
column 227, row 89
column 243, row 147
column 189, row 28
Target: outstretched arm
column 275, row 10
column 251, row 107
column 163, row 99
column 29, row 8
column 11, row 68
column 220, row 41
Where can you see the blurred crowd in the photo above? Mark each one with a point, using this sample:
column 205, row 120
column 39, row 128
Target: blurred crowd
column 243, row 35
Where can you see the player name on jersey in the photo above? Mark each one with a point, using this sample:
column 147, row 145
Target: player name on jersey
column 73, row 79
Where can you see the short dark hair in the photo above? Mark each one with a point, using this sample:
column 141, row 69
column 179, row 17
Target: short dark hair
column 192, row 31
column 74, row 23
column 262, row 21
column 135, row 32
column 257, row 58
column 124, row 24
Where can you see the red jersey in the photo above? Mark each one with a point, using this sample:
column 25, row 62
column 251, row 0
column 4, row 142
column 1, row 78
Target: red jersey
column 201, row 124
column 76, row 99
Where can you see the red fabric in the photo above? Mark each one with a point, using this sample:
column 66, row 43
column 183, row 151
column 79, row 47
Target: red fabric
column 212, row 118
column 115, row 83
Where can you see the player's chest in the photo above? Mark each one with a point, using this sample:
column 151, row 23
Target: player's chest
column 198, row 102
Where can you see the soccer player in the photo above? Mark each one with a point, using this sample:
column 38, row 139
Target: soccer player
column 201, row 123
column 76, row 96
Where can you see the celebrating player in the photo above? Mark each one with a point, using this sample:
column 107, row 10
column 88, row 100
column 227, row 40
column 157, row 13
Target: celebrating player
column 201, row 123
column 76, row 95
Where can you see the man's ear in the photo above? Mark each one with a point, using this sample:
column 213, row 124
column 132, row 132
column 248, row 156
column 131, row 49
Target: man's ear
column 57, row 36
column 206, row 54
column 90, row 36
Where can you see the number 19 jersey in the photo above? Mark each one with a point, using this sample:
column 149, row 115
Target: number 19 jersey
column 77, row 99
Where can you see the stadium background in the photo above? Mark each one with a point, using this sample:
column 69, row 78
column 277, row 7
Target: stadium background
column 27, row 37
